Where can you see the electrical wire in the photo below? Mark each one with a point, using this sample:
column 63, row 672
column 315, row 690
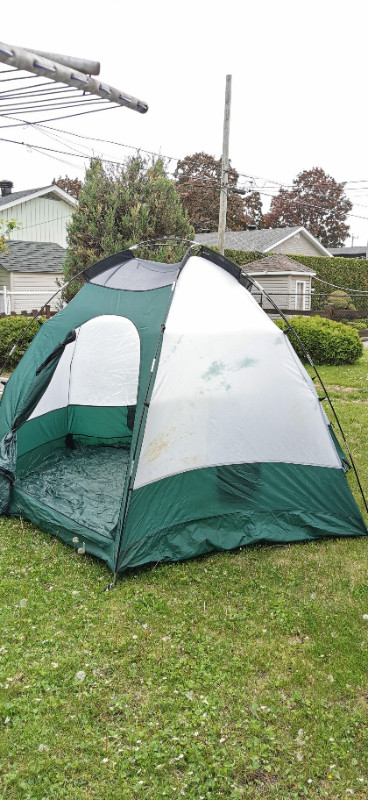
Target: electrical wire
column 111, row 106
column 119, row 163
column 175, row 158
column 343, row 288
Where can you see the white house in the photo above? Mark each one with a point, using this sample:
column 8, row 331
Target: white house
column 41, row 214
column 32, row 269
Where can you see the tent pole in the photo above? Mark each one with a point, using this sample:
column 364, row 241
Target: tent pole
column 150, row 385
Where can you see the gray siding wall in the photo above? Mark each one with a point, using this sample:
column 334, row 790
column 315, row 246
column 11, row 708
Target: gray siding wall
column 275, row 285
column 42, row 219
column 297, row 245
column 282, row 289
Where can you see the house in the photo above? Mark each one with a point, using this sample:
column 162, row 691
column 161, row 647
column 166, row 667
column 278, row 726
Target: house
column 359, row 251
column 289, row 241
column 30, row 273
column 42, row 214
column 285, row 280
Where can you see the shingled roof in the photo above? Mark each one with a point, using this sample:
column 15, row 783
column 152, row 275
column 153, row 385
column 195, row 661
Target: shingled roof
column 358, row 251
column 8, row 198
column 276, row 263
column 14, row 198
column 262, row 241
column 33, row 257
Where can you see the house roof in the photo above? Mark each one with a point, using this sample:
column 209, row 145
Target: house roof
column 33, row 257
column 359, row 251
column 263, row 240
column 14, row 198
column 275, row 264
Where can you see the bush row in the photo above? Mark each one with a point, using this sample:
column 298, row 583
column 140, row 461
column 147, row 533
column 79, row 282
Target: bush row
column 11, row 329
column 327, row 342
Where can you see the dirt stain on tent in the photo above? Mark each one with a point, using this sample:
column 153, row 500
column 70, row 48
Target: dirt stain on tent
column 158, row 445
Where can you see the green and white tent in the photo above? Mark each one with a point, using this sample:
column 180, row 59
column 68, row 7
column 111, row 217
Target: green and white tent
column 162, row 414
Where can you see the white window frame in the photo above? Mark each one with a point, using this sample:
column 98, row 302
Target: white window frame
column 300, row 295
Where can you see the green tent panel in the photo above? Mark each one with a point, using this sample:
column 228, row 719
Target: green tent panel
column 161, row 414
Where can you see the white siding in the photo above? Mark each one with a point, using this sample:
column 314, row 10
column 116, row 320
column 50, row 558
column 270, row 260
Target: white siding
column 5, row 278
column 43, row 219
column 44, row 283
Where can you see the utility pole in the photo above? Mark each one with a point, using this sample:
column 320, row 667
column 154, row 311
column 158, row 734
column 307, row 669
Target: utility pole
column 224, row 169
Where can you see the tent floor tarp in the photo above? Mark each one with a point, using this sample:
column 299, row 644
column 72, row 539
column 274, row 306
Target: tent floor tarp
column 84, row 484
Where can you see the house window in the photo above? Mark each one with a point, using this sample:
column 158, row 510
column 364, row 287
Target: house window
column 300, row 293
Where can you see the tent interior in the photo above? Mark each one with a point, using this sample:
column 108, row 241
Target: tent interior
column 74, row 447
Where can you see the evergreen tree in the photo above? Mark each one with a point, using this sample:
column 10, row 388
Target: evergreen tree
column 119, row 207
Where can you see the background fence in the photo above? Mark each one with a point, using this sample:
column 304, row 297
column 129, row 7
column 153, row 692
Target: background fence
column 29, row 302
column 315, row 305
column 26, row 302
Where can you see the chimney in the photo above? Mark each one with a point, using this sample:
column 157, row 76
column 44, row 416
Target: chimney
column 6, row 187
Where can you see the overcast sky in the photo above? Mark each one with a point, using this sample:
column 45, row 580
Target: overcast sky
column 298, row 87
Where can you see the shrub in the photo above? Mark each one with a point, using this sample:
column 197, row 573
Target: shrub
column 10, row 330
column 340, row 299
column 327, row 342
column 358, row 324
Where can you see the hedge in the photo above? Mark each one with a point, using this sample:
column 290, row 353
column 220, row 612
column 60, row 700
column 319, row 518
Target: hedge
column 349, row 273
column 327, row 342
column 10, row 330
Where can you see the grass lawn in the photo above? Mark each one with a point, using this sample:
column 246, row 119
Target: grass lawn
column 237, row 675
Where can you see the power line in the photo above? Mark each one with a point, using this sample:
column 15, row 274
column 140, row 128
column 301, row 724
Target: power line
column 175, row 158
column 314, row 206
column 192, row 183
column 343, row 288
column 255, row 188
column 119, row 163
column 64, row 116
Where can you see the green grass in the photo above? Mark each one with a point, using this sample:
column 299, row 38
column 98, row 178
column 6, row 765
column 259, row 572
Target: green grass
column 237, row 675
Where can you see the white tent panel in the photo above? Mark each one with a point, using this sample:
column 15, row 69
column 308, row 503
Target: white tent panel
column 105, row 366
column 229, row 388
column 100, row 368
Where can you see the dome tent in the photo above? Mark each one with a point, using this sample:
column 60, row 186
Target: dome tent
column 162, row 414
